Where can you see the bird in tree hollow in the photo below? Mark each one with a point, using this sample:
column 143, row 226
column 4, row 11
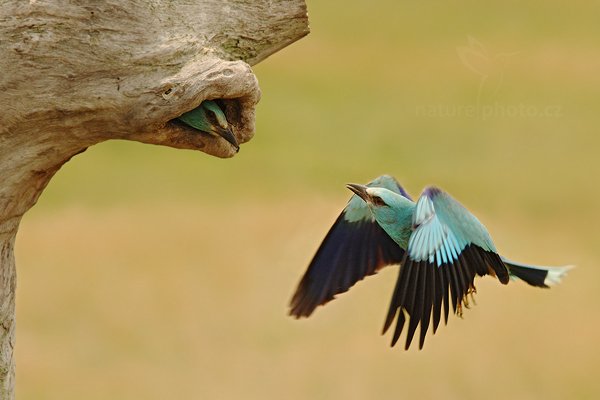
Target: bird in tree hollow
column 208, row 117
column 438, row 243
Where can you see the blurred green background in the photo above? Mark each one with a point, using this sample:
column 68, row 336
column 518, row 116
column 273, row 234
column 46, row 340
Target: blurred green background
column 148, row 272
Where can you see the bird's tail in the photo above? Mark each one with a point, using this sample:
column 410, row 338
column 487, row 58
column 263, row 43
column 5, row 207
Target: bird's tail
column 536, row 275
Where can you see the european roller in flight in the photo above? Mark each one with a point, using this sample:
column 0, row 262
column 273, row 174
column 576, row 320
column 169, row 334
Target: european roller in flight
column 209, row 118
column 441, row 247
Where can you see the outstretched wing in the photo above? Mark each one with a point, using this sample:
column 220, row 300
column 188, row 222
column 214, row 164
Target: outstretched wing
column 355, row 247
column 447, row 248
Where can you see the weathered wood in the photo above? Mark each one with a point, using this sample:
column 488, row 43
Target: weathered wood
column 76, row 73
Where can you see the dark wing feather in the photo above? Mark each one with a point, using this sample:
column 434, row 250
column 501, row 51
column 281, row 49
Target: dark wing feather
column 429, row 286
column 349, row 252
column 355, row 247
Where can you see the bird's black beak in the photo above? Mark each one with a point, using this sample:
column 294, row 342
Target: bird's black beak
column 227, row 134
column 359, row 190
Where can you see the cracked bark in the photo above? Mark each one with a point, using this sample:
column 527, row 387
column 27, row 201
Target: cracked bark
column 77, row 73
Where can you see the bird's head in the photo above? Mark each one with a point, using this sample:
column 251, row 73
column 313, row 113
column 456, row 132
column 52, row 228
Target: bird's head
column 386, row 206
column 210, row 118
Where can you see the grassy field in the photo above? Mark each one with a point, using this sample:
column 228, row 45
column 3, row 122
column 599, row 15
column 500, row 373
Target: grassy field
column 154, row 273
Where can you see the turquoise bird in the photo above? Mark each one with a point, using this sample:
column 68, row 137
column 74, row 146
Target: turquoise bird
column 438, row 243
column 208, row 117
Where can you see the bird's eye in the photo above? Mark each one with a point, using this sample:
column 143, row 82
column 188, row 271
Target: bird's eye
column 376, row 200
column 211, row 116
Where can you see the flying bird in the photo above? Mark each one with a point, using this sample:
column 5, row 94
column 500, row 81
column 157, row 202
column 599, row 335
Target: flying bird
column 438, row 243
column 208, row 117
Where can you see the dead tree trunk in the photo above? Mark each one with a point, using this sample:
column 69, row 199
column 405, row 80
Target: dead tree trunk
column 76, row 73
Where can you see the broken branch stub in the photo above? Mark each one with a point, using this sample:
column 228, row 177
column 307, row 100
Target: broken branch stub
column 77, row 73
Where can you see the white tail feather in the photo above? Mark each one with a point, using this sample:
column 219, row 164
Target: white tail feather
column 555, row 274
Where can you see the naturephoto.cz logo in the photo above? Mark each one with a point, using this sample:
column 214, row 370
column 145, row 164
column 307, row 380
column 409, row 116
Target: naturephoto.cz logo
column 489, row 68
column 489, row 111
